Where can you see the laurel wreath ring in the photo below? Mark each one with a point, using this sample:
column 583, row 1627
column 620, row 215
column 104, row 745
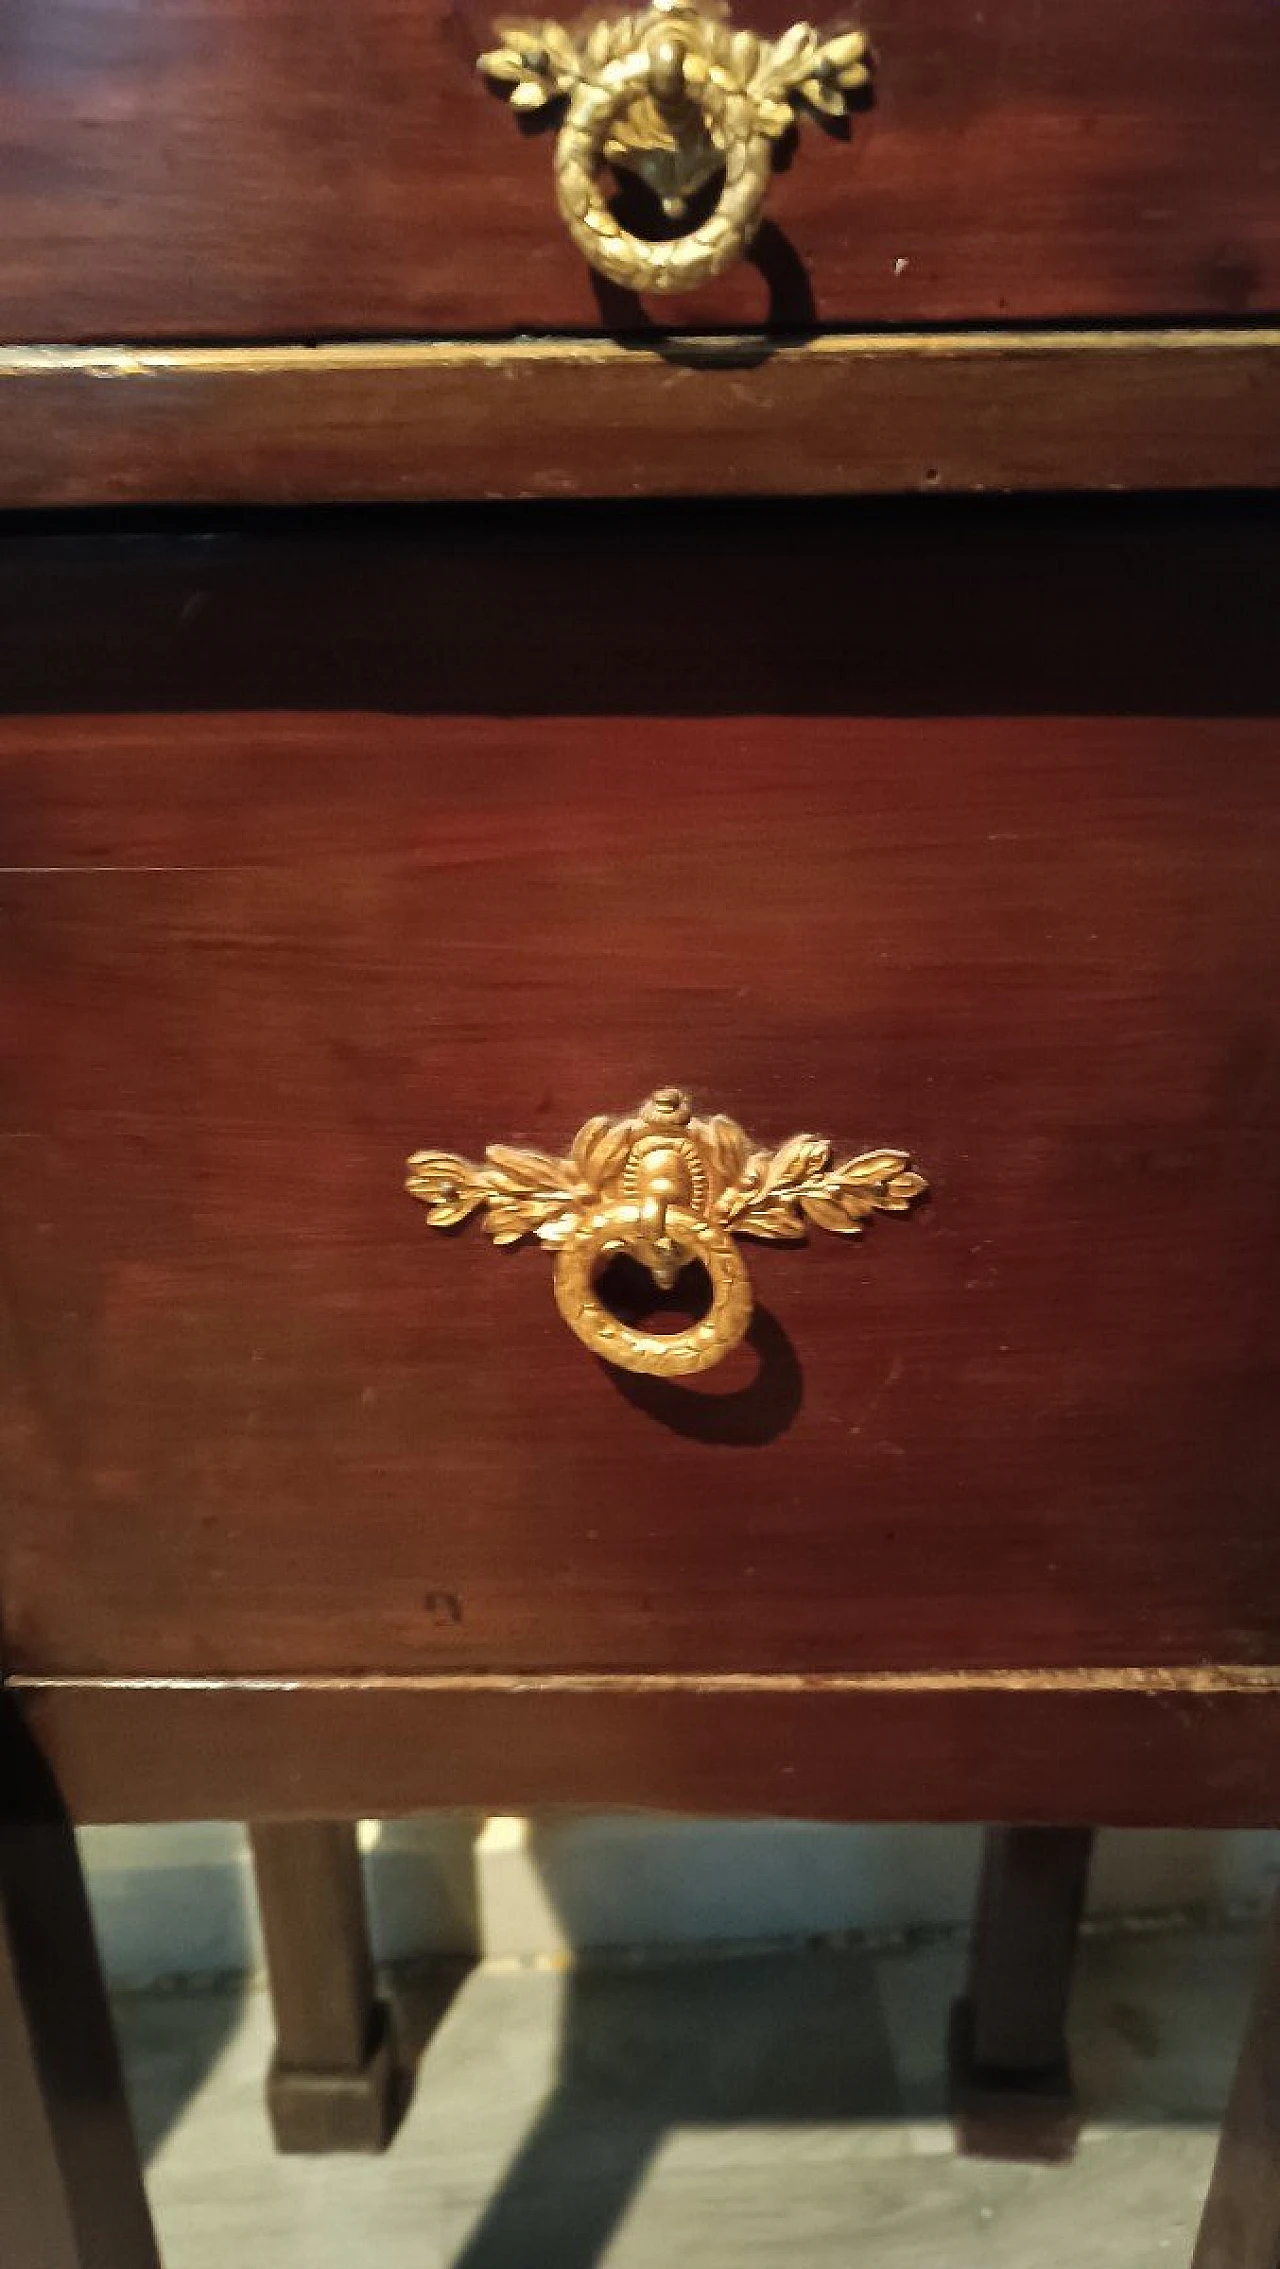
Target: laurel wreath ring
column 685, row 262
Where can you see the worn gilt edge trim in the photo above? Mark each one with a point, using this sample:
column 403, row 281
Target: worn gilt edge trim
column 1160, row 1679
column 944, row 411
column 109, row 361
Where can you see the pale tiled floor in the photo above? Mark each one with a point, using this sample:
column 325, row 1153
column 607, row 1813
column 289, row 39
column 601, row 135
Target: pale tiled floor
column 773, row 2111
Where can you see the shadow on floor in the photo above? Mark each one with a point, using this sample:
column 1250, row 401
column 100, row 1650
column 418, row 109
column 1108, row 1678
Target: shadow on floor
column 648, row 2050
column 166, row 2065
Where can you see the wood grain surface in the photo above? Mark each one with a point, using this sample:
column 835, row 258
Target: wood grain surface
column 1130, row 1750
column 550, row 419
column 227, row 170
column 257, row 1420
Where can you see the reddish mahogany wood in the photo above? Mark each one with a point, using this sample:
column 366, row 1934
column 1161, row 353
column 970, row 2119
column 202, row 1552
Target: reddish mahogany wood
column 228, row 169
column 880, row 412
column 258, row 958
column 1128, row 1754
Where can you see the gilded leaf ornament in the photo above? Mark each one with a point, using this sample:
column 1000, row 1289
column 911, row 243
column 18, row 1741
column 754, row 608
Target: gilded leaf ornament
column 676, row 95
column 668, row 1189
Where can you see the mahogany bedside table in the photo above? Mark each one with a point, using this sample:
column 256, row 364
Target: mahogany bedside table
column 603, row 674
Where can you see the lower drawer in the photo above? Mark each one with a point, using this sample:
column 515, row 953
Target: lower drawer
column 255, row 1419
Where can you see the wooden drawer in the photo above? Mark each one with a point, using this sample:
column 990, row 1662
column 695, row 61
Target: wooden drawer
column 338, row 854
column 231, row 171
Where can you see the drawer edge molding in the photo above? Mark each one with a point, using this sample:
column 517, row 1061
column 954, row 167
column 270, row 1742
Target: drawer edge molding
column 841, row 414
column 1141, row 1746
column 1168, row 1679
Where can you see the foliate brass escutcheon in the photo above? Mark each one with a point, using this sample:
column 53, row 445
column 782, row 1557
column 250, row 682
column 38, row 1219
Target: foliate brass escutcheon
column 677, row 96
column 667, row 1189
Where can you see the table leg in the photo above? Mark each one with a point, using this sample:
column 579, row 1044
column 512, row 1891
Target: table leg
column 1241, row 2224
column 71, row 2194
column 334, row 2083
column 1011, row 2077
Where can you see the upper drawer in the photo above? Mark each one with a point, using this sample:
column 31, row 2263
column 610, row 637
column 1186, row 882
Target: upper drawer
column 264, row 168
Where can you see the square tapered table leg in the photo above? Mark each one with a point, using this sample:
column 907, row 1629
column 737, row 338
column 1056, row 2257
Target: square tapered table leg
column 71, row 2193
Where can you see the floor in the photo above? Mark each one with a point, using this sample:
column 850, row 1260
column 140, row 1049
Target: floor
column 774, row 2110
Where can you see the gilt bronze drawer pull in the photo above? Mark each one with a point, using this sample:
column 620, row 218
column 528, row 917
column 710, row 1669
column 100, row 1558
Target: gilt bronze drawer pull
column 666, row 1189
column 676, row 96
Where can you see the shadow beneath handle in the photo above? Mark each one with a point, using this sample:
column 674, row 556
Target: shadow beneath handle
column 791, row 314
column 743, row 1417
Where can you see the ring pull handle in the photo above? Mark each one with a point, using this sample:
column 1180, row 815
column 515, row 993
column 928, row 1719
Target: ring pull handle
column 676, row 96
column 666, row 1189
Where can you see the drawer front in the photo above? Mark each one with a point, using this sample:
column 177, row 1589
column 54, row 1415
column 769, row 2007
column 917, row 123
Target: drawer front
column 256, row 1419
column 224, row 171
